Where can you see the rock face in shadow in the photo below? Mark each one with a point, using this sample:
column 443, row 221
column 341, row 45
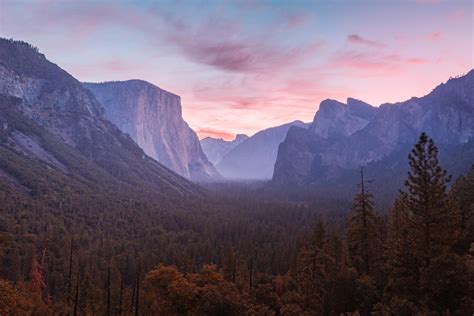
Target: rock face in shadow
column 344, row 137
column 216, row 148
column 338, row 119
column 153, row 118
column 47, row 115
column 255, row 157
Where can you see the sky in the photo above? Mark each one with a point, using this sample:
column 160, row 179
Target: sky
column 243, row 66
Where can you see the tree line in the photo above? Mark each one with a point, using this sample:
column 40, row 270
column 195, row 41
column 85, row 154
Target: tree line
column 246, row 256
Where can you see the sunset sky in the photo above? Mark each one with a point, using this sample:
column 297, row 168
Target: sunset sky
column 243, row 66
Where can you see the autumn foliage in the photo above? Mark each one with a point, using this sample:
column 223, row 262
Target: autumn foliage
column 250, row 258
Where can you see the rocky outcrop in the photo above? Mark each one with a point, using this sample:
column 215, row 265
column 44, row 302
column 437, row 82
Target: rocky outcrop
column 49, row 116
column 153, row 118
column 216, row 148
column 341, row 138
column 335, row 119
column 255, row 157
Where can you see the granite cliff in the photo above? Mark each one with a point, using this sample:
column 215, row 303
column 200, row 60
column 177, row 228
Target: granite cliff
column 47, row 116
column 153, row 118
column 341, row 140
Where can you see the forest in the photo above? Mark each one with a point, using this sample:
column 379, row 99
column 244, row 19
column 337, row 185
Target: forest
column 66, row 249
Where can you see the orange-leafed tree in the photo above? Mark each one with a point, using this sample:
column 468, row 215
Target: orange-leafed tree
column 13, row 301
column 37, row 283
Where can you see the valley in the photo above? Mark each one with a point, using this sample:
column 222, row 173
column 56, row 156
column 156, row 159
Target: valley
column 111, row 204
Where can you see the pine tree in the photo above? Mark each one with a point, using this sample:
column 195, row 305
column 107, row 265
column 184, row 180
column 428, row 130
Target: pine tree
column 363, row 232
column 363, row 246
column 425, row 274
column 434, row 217
column 401, row 290
column 314, row 269
column 463, row 192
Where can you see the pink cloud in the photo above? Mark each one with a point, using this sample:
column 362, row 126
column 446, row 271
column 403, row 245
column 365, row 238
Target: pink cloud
column 311, row 84
column 417, row 61
column 297, row 20
column 428, row 1
column 78, row 20
column 457, row 15
column 235, row 77
column 236, row 95
column 204, row 132
column 374, row 62
column 216, row 42
column 84, row 28
column 357, row 39
column 245, row 57
column 222, row 45
column 435, row 36
column 365, row 60
column 272, row 101
column 255, row 102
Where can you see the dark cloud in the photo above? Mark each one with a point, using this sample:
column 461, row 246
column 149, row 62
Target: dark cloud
column 357, row 39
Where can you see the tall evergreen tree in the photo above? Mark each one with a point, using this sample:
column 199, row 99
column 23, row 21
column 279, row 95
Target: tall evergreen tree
column 434, row 218
column 315, row 269
column 363, row 232
column 401, row 289
column 425, row 274
column 363, row 245
column 463, row 192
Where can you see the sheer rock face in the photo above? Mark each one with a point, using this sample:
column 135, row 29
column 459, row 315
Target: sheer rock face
column 153, row 118
column 255, row 157
column 345, row 137
column 338, row 119
column 48, row 97
column 216, row 148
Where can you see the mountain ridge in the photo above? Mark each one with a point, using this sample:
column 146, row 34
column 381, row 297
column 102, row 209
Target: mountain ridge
column 216, row 148
column 153, row 118
column 446, row 114
column 253, row 159
column 40, row 99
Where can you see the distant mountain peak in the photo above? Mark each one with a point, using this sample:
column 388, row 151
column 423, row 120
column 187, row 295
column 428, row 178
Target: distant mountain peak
column 216, row 148
column 239, row 137
column 335, row 118
column 352, row 102
column 330, row 104
column 361, row 108
column 344, row 137
column 255, row 157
